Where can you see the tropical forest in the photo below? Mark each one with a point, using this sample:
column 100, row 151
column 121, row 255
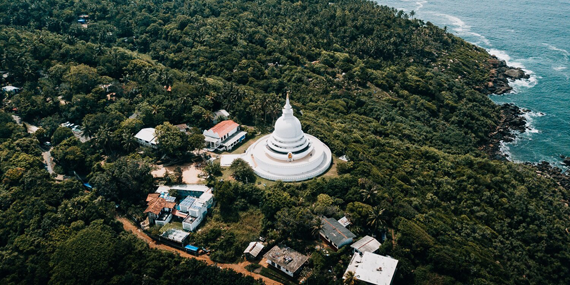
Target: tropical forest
column 401, row 99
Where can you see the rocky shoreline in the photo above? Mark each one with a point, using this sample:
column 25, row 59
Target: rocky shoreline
column 512, row 121
column 500, row 76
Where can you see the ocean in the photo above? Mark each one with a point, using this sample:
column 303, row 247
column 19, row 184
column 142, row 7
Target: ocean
column 531, row 34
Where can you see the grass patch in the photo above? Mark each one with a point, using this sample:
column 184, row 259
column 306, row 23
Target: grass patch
column 277, row 276
column 171, row 226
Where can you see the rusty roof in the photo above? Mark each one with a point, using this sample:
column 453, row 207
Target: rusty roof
column 224, row 127
column 156, row 205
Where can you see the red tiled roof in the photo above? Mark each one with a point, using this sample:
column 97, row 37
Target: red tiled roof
column 224, row 127
column 152, row 196
column 156, row 204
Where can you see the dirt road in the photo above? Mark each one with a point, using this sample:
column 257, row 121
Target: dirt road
column 240, row 267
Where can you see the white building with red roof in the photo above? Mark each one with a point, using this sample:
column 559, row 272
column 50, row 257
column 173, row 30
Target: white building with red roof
column 224, row 136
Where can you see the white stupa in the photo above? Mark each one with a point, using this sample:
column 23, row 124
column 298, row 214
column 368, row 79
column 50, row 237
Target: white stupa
column 288, row 154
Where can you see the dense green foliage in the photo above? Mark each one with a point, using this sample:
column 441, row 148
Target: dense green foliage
column 396, row 95
column 57, row 233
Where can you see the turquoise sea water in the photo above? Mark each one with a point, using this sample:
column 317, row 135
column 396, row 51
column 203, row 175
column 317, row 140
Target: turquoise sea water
column 531, row 34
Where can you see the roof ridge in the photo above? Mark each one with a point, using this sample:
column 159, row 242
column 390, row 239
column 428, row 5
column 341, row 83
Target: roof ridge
column 335, row 228
column 370, row 240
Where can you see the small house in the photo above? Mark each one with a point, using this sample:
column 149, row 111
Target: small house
column 371, row 268
column 191, row 222
column 183, row 128
column 334, row 233
column 224, row 136
column 221, row 115
column 253, row 250
column 286, row 259
column 159, row 210
column 366, row 244
column 147, row 137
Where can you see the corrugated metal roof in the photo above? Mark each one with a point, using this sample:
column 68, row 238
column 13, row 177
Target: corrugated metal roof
column 366, row 244
column 335, row 231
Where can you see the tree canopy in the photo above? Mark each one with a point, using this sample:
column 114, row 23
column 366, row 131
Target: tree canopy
column 399, row 97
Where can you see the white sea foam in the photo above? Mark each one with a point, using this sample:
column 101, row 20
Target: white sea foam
column 559, row 68
column 420, row 4
column 521, row 83
column 530, row 127
column 506, row 150
column 462, row 29
column 564, row 52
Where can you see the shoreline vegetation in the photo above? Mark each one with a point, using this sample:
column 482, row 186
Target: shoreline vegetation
column 404, row 101
column 513, row 122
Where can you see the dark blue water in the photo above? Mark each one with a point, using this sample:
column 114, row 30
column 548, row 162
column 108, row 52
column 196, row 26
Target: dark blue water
column 531, row 34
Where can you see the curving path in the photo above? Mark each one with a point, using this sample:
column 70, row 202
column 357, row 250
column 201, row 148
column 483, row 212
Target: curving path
column 240, row 267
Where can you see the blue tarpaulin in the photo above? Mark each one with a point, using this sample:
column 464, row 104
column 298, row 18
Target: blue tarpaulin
column 191, row 248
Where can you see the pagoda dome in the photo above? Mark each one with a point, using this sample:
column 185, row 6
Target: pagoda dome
column 288, row 128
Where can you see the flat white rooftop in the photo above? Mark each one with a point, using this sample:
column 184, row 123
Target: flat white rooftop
column 373, row 268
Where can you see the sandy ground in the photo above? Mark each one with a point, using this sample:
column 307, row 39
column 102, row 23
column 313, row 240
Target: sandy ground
column 240, row 267
column 189, row 172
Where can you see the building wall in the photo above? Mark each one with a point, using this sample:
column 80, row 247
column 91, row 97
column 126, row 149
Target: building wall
column 280, row 268
column 162, row 223
column 192, row 226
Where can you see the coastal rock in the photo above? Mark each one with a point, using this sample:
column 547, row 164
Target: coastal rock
column 515, row 73
column 566, row 161
column 511, row 123
column 499, row 77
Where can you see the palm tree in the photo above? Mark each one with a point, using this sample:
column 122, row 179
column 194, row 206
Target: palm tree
column 350, row 278
column 376, row 218
column 316, row 229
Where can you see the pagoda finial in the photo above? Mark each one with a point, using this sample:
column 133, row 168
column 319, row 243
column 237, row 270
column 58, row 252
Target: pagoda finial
column 287, row 104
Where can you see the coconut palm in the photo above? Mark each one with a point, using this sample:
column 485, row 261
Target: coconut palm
column 376, row 218
column 350, row 278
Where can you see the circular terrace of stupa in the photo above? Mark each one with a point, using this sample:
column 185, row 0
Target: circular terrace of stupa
column 288, row 154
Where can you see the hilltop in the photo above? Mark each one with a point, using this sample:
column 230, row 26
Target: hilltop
column 402, row 99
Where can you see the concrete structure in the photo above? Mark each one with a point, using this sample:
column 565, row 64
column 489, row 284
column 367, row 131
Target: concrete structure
column 286, row 259
column 177, row 236
column 366, row 244
column 194, row 190
column 288, row 154
column 253, row 249
column 194, row 207
column 373, row 268
column 186, row 204
column 334, row 233
column 223, row 136
column 147, row 137
column 221, row 115
column 191, row 222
